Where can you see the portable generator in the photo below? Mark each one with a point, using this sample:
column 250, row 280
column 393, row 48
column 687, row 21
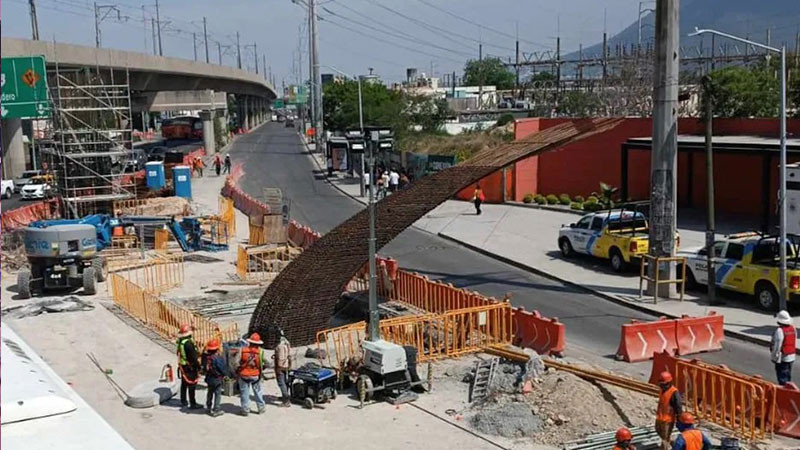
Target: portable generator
column 61, row 257
column 312, row 384
column 385, row 371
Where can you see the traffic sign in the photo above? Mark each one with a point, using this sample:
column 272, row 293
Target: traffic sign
column 277, row 103
column 23, row 88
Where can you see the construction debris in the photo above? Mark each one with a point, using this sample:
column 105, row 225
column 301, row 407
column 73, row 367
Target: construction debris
column 160, row 206
column 513, row 420
column 13, row 250
column 66, row 304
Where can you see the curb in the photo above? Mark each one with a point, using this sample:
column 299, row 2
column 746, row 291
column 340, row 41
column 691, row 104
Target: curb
column 612, row 298
column 546, row 208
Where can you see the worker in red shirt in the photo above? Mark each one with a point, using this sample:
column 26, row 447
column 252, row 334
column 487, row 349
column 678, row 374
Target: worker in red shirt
column 623, row 438
column 690, row 438
column 670, row 406
column 783, row 347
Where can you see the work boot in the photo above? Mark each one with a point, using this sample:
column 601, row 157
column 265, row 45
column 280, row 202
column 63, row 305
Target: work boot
column 261, row 410
column 286, row 403
column 216, row 413
column 244, row 413
column 196, row 406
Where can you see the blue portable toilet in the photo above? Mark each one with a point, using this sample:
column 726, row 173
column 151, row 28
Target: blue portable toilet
column 182, row 179
column 154, row 173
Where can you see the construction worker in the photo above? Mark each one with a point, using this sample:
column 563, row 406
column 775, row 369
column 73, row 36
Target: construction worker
column 216, row 369
column 188, row 366
column 217, row 164
column 690, row 438
column 783, row 347
column 227, row 164
column 478, row 198
column 623, row 438
column 251, row 364
column 282, row 366
column 670, row 406
column 199, row 165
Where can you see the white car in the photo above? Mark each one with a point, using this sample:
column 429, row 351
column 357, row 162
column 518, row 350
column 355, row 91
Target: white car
column 36, row 189
column 7, row 188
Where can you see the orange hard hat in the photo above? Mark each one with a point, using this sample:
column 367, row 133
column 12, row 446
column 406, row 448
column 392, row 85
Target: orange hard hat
column 686, row 418
column 665, row 377
column 255, row 339
column 186, row 330
column 213, row 344
column 623, row 434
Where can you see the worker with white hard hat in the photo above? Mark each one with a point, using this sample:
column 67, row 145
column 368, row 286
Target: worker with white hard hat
column 783, row 347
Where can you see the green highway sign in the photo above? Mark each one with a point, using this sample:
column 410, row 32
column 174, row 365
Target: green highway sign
column 277, row 103
column 298, row 95
column 23, row 88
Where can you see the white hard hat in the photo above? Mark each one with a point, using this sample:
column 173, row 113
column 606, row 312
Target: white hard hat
column 784, row 318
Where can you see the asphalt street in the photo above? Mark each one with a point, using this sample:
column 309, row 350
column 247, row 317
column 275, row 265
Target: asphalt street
column 274, row 156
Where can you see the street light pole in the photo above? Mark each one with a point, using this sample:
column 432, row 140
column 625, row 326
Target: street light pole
column 782, row 195
column 205, row 37
column 374, row 317
column 361, row 125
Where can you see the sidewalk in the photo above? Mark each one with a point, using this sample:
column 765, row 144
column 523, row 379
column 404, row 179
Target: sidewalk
column 526, row 237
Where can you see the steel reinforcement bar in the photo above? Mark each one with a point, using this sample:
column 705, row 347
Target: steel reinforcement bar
column 302, row 298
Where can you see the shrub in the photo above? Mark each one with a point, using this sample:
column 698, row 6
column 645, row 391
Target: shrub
column 578, row 198
column 592, row 205
column 552, row 199
column 539, row 199
column 528, row 198
column 564, row 199
column 576, row 205
column 505, row 119
column 592, row 199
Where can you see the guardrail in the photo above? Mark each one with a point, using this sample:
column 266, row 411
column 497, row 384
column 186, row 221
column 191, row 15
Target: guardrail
column 163, row 317
column 658, row 260
column 435, row 336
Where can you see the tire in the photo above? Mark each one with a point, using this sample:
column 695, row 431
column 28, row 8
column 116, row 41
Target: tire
column 333, row 393
column 366, row 382
column 566, row 247
column 99, row 265
column 691, row 281
column 767, row 296
column 24, row 283
column 8, row 193
column 308, row 403
column 618, row 263
column 89, row 281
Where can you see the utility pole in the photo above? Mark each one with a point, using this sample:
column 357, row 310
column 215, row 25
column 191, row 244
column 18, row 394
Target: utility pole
column 664, row 153
column 106, row 9
column 311, row 86
column 317, row 79
column 194, row 44
column 710, row 225
column 153, row 28
column 34, row 20
column 144, row 25
column 516, row 63
column 264, row 66
column 205, row 37
column 219, row 53
column 158, row 22
column 480, row 75
column 605, row 56
column 255, row 55
column 96, row 27
column 238, row 52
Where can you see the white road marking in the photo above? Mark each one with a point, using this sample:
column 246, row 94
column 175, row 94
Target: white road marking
column 644, row 343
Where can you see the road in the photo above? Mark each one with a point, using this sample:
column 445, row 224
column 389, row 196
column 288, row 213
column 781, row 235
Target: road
column 183, row 145
column 273, row 156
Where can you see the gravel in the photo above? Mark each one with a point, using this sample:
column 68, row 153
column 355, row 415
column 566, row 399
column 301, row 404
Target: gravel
column 512, row 420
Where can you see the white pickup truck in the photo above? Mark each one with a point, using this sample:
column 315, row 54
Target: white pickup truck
column 7, row 188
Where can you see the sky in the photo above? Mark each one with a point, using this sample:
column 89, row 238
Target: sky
column 354, row 35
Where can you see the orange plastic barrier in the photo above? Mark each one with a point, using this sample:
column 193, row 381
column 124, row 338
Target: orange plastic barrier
column 662, row 362
column 22, row 217
column 788, row 411
column 544, row 335
column 640, row 340
column 699, row 334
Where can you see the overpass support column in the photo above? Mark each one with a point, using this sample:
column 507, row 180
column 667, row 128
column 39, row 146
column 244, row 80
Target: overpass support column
column 248, row 113
column 208, row 131
column 13, row 148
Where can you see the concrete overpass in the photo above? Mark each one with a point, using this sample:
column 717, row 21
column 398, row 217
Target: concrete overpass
column 157, row 84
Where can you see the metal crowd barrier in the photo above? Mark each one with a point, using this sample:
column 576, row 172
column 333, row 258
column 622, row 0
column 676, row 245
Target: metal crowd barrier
column 658, row 260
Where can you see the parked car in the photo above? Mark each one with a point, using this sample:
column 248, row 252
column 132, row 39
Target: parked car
column 289, row 123
column 7, row 188
column 23, row 179
column 156, row 153
column 748, row 263
column 38, row 187
column 620, row 236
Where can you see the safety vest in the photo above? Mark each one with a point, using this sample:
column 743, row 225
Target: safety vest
column 789, row 340
column 693, row 439
column 182, row 361
column 664, row 413
column 250, row 362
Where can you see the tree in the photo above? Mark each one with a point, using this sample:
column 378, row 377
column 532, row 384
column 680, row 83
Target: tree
column 580, row 104
column 488, row 72
column 745, row 92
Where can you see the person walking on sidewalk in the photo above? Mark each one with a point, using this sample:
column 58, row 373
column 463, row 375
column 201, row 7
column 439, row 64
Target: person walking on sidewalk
column 670, row 406
column 215, row 369
column 690, row 438
column 394, row 181
column 623, row 438
column 282, row 366
column 251, row 364
column 329, row 164
column 217, row 164
column 783, row 347
column 478, row 198
column 188, row 367
column 227, row 164
column 199, row 164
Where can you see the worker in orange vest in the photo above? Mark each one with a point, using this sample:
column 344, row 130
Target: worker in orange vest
column 783, row 347
column 690, row 438
column 670, row 406
column 188, row 367
column 623, row 438
column 478, row 198
column 251, row 364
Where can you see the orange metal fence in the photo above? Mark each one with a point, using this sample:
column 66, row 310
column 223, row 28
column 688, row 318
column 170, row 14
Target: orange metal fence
column 157, row 272
column 435, row 336
column 262, row 263
column 435, row 296
column 163, row 317
column 227, row 214
column 744, row 405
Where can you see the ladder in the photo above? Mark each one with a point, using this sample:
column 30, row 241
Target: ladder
column 484, row 373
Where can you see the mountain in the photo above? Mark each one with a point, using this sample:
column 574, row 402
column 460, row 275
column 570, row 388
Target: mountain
column 738, row 17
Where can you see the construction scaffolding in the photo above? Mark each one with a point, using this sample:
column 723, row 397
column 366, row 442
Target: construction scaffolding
column 91, row 138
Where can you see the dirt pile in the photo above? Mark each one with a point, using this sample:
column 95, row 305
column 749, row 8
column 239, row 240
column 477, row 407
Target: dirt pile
column 565, row 406
column 161, row 206
column 12, row 255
